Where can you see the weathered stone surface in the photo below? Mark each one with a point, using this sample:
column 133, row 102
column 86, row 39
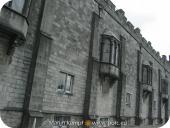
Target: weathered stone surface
column 66, row 34
column 13, row 75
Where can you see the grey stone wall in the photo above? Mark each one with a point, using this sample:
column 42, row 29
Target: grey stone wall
column 14, row 72
column 65, row 35
column 70, row 31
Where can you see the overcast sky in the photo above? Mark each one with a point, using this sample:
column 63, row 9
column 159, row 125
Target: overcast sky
column 152, row 17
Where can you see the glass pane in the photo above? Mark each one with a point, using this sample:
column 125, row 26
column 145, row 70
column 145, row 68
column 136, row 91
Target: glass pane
column 113, row 53
column 144, row 74
column 150, row 76
column 117, row 55
column 164, row 87
column 17, row 5
column 154, row 104
column 106, row 51
column 69, row 83
column 128, row 99
column 66, row 118
column 58, row 118
column 148, row 81
column 62, row 81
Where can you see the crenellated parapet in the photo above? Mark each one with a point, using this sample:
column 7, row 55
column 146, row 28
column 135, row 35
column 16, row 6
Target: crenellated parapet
column 119, row 16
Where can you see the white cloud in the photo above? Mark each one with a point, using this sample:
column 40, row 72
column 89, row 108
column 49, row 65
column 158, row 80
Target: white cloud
column 152, row 17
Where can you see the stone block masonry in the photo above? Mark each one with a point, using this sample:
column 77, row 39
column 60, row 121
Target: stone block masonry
column 82, row 59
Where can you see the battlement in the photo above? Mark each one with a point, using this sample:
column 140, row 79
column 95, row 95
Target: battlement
column 119, row 16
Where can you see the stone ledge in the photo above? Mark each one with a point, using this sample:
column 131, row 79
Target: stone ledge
column 109, row 70
column 147, row 88
column 13, row 23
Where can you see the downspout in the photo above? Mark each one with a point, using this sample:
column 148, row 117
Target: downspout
column 121, row 80
column 86, row 107
column 159, row 98
column 139, row 89
column 25, row 117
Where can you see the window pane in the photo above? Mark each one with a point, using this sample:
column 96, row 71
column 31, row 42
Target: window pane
column 104, row 119
column 69, row 83
column 144, row 75
column 66, row 118
column 17, row 5
column 106, row 51
column 164, row 86
column 154, row 105
column 128, row 99
column 58, row 118
column 63, row 121
column 117, row 56
column 62, row 81
column 113, row 53
column 150, row 78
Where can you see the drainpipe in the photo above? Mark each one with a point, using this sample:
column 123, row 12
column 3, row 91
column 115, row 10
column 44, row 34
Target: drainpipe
column 86, row 107
column 25, row 117
column 121, row 80
column 159, row 98
column 139, row 89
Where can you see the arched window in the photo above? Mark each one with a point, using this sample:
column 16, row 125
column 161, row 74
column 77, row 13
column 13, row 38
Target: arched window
column 110, row 49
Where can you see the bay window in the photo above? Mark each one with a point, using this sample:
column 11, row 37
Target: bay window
column 110, row 48
column 146, row 74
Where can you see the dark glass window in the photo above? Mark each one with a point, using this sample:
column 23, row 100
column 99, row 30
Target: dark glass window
column 62, row 121
column 65, row 82
column 164, row 86
column 106, row 51
column 128, row 99
column 110, row 50
column 154, row 105
column 146, row 75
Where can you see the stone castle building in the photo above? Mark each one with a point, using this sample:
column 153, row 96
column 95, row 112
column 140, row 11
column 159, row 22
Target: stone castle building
column 78, row 59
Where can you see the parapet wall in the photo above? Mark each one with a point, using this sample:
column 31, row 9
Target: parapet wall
column 119, row 16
